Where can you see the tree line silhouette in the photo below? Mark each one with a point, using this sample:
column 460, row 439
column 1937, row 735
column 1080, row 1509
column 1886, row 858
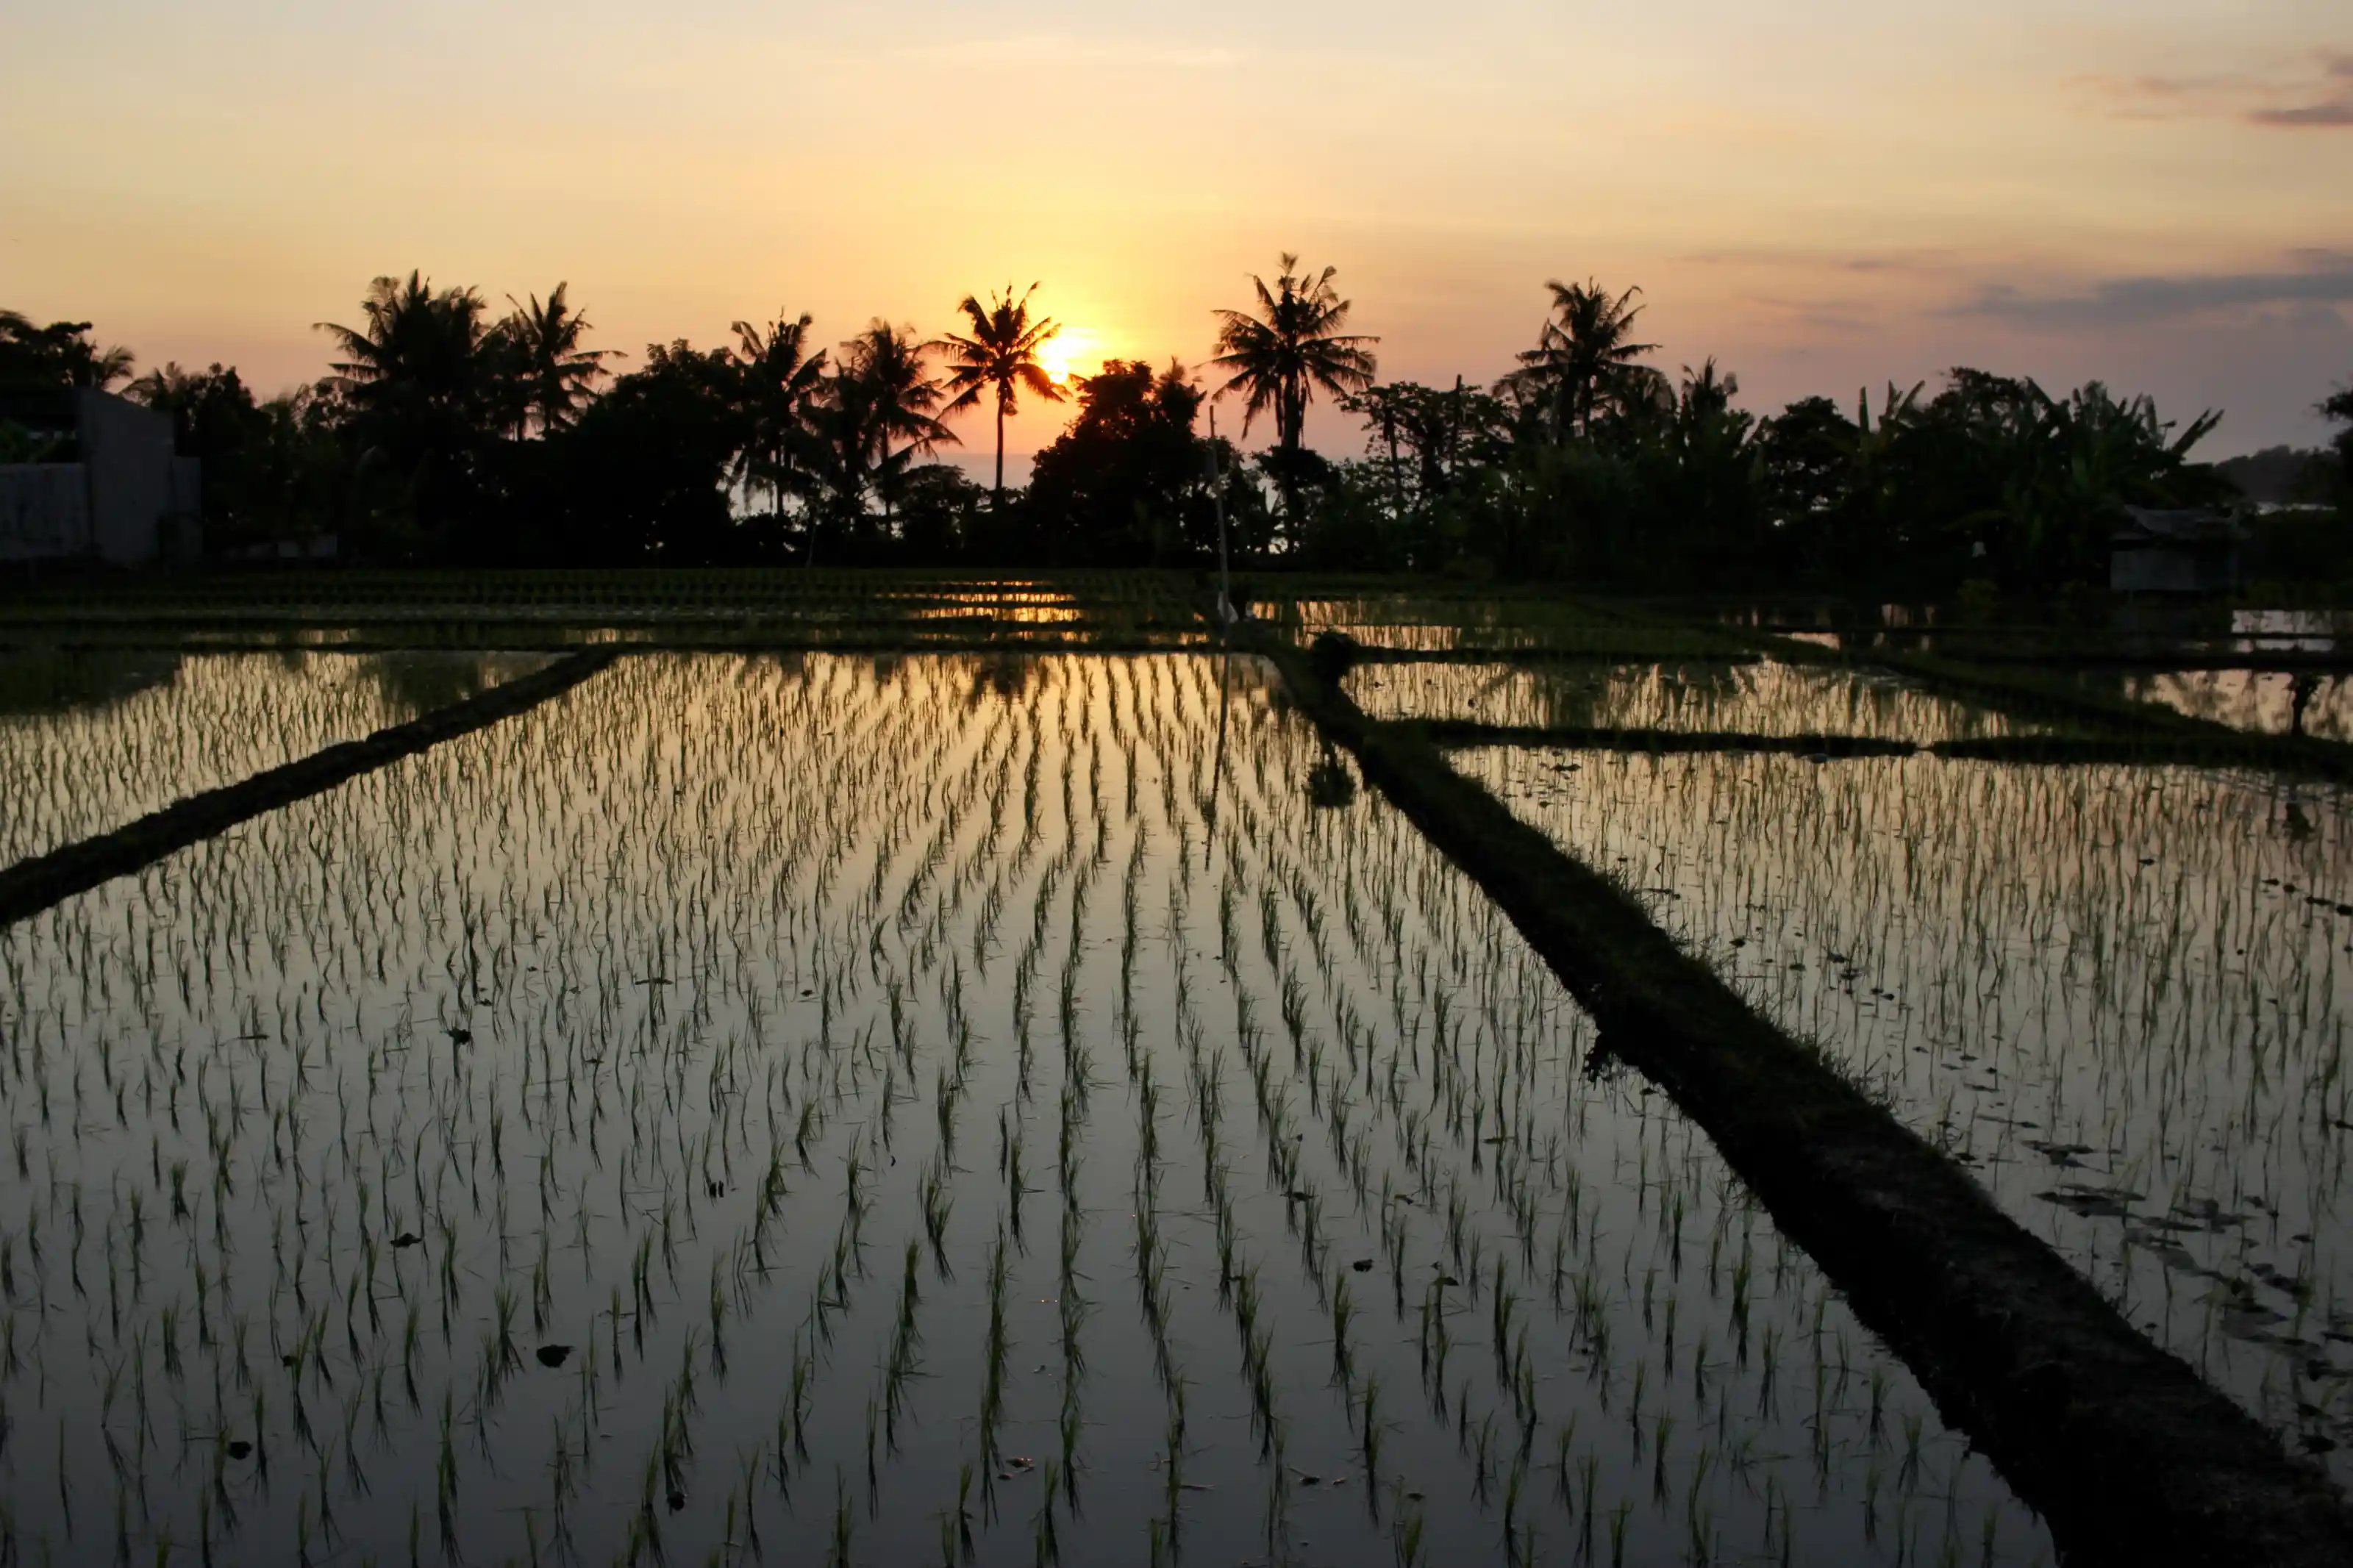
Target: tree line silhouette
column 449, row 434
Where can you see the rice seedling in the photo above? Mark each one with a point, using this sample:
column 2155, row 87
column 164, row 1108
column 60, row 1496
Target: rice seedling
column 2114, row 992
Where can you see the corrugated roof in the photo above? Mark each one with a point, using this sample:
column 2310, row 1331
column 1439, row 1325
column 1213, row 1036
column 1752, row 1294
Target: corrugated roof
column 2196, row 525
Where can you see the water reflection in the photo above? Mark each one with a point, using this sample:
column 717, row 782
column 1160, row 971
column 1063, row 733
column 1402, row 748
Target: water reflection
column 2120, row 995
column 93, row 740
column 919, row 1117
column 1759, row 697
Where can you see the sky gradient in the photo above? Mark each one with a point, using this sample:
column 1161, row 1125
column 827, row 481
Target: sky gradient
column 1820, row 194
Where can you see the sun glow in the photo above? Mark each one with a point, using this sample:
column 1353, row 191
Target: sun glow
column 1071, row 352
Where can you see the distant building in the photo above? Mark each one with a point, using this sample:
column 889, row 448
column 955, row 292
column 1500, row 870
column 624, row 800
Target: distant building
column 105, row 485
column 2195, row 552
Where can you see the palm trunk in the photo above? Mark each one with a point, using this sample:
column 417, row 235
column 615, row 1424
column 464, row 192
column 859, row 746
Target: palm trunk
column 999, row 501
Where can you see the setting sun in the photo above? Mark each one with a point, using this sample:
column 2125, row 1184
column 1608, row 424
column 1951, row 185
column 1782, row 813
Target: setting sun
column 1073, row 350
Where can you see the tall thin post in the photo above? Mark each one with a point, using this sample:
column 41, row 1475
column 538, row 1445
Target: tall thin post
column 1226, row 616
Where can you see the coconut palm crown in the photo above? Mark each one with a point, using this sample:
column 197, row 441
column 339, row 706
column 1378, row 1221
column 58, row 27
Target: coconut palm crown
column 1289, row 347
column 1001, row 353
column 557, row 371
column 1583, row 364
column 777, row 378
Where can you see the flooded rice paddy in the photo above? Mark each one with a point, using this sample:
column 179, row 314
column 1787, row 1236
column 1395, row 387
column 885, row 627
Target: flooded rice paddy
column 91, row 741
column 2267, row 702
column 2118, row 995
column 998, row 1110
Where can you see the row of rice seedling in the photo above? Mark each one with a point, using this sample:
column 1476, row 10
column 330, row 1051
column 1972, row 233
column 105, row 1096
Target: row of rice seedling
column 2117, row 993
column 1762, row 697
column 71, row 769
column 886, row 1112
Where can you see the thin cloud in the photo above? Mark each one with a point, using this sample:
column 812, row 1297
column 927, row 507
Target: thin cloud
column 2270, row 100
column 2138, row 301
column 2335, row 112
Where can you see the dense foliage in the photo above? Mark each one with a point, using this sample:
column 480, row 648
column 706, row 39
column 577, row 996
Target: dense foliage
column 448, row 433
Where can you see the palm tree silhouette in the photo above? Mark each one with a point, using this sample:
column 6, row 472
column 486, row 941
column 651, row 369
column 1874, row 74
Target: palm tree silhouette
column 416, row 346
column 779, row 377
column 903, row 401
column 554, row 370
column 1584, row 361
column 870, row 422
column 1001, row 352
column 421, row 374
column 1291, row 347
column 906, row 399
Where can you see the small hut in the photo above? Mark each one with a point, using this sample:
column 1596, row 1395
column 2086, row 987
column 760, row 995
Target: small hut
column 2188, row 552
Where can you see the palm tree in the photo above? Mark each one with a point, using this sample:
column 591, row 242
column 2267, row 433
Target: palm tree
column 1291, row 347
column 165, row 389
column 555, row 371
column 891, row 363
column 1584, row 360
column 872, row 418
column 1002, row 354
column 902, row 401
column 418, row 358
column 428, row 391
column 778, row 378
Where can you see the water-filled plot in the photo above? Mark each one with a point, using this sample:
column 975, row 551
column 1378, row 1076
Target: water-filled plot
column 2117, row 995
column 1755, row 698
column 2261, row 702
column 886, row 1111
column 91, row 741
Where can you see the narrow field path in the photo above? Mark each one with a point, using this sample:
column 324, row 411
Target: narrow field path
column 2128, row 1454
column 31, row 885
column 2119, row 729
column 2131, row 732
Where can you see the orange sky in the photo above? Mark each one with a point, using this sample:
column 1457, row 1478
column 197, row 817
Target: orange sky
column 1820, row 194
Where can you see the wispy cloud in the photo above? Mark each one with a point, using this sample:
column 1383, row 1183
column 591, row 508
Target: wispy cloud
column 2335, row 111
column 2323, row 279
column 2318, row 96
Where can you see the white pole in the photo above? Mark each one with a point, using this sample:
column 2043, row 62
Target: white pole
column 1226, row 616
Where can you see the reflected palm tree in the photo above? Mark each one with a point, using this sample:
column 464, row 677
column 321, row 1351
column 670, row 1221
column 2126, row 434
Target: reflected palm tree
column 1290, row 348
column 1001, row 354
column 555, row 371
column 1583, row 363
column 1002, row 676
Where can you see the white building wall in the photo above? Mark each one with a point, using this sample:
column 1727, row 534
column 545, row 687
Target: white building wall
column 128, row 451
column 44, row 510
